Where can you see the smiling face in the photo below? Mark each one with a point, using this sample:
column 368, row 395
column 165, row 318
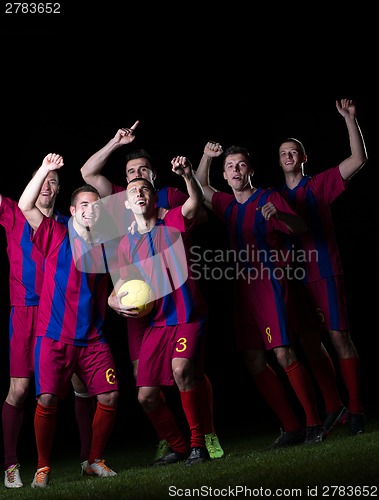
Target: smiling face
column 291, row 157
column 49, row 191
column 141, row 197
column 86, row 211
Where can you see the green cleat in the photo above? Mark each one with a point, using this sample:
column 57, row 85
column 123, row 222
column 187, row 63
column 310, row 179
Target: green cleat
column 163, row 449
column 213, row 446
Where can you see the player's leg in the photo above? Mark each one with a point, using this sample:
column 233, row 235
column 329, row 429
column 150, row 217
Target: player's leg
column 22, row 326
column 350, row 371
column 96, row 368
column 164, row 423
column 12, row 420
column 84, row 412
column 193, row 406
column 301, row 383
column 273, row 391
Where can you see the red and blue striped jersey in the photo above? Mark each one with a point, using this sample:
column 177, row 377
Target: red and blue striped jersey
column 26, row 262
column 257, row 242
column 161, row 258
column 73, row 302
column 312, row 198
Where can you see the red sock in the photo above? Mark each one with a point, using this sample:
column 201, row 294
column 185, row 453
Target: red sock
column 350, row 372
column 84, row 413
column 12, row 418
column 165, row 425
column 301, row 383
column 196, row 411
column 276, row 396
column 45, row 420
column 102, row 426
column 325, row 376
column 206, row 395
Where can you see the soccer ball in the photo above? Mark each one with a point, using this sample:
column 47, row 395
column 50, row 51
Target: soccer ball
column 140, row 295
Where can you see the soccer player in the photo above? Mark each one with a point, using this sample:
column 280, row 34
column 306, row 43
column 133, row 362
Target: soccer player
column 312, row 196
column 139, row 164
column 26, row 265
column 258, row 221
column 172, row 346
column 69, row 332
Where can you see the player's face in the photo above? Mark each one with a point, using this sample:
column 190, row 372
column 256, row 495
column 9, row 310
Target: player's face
column 291, row 157
column 49, row 191
column 237, row 172
column 87, row 209
column 139, row 168
column 140, row 197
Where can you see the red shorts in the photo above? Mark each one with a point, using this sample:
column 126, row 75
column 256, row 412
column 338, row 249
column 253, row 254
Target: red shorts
column 22, row 335
column 300, row 311
column 328, row 297
column 260, row 314
column 56, row 362
column 161, row 344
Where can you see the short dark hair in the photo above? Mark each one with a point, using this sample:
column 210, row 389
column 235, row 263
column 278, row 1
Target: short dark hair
column 139, row 153
column 237, row 150
column 86, row 188
column 146, row 181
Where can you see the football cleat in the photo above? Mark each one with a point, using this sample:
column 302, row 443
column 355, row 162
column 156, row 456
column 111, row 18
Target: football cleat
column 41, row 478
column 12, row 477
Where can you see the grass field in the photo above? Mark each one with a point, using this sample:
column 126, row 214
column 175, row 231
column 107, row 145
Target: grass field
column 341, row 466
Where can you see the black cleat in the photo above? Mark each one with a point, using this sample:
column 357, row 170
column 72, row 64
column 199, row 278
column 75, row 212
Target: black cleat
column 198, row 455
column 314, row 434
column 339, row 416
column 288, row 439
column 172, row 457
column 356, row 424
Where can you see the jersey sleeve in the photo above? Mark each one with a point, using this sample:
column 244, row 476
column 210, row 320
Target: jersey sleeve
column 174, row 218
column 176, row 197
column 7, row 212
column 328, row 185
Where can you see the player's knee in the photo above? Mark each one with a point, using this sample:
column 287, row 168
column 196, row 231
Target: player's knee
column 108, row 398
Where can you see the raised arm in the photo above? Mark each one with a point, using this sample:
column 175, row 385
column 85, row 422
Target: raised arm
column 192, row 206
column 358, row 157
column 27, row 201
column 91, row 170
column 211, row 150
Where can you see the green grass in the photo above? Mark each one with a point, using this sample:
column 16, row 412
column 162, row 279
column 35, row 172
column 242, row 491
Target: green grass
column 341, row 460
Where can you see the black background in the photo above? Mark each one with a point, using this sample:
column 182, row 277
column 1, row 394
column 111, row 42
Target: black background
column 69, row 82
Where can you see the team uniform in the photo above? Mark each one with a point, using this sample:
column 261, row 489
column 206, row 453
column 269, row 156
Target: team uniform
column 324, row 277
column 266, row 311
column 168, row 197
column 26, row 274
column 323, row 273
column 263, row 310
column 154, row 346
column 176, row 325
column 70, row 335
